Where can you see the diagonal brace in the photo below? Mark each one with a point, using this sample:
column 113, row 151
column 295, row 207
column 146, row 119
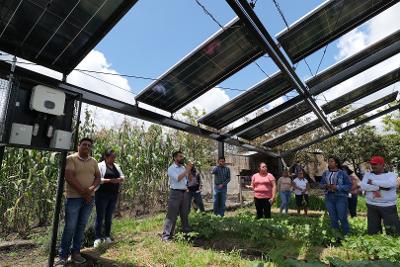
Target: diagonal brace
column 247, row 15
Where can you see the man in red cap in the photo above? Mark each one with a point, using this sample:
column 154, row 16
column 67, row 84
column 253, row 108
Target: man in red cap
column 380, row 187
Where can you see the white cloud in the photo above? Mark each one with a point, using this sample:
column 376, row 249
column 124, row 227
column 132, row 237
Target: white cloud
column 209, row 101
column 377, row 28
column 351, row 43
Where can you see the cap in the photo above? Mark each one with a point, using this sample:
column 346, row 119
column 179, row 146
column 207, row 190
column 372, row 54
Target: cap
column 377, row 160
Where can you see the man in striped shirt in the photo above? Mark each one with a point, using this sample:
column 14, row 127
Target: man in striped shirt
column 222, row 176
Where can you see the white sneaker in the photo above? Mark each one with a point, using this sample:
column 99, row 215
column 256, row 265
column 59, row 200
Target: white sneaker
column 97, row 243
column 108, row 240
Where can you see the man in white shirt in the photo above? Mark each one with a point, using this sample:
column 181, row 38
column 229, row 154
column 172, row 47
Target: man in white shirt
column 178, row 202
column 381, row 196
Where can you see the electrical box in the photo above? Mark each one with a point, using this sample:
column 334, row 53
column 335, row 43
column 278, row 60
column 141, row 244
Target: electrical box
column 47, row 100
column 21, row 134
column 61, row 139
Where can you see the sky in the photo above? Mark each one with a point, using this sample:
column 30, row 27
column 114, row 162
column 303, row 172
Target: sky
column 155, row 34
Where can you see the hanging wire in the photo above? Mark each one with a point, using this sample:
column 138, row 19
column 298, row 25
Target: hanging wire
column 282, row 15
column 208, row 13
column 109, row 83
column 87, row 71
column 326, row 47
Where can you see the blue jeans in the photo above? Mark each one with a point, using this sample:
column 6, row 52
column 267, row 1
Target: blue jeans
column 77, row 213
column 197, row 199
column 285, row 199
column 105, row 206
column 337, row 208
column 219, row 200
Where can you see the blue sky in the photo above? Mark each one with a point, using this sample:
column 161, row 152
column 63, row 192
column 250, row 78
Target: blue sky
column 154, row 35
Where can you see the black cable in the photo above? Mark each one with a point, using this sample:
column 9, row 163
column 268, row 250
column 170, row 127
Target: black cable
column 326, row 47
column 279, row 9
column 97, row 78
column 83, row 71
column 208, row 13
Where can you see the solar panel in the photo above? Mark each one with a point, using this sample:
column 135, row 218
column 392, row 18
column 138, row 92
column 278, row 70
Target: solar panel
column 365, row 109
column 315, row 124
column 57, row 34
column 254, row 98
column 350, row 66
column 268, row 114
column 336, row 74
column 326, row 23
column 225, row 53
column 277, row 121
column 344, row 129
column 362, row 91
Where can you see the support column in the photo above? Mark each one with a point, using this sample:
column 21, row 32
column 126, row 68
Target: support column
column 221, row 151
column 57, row 209
column 2, row 148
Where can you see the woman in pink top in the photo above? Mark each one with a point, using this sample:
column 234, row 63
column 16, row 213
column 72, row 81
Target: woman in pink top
column 264, row 187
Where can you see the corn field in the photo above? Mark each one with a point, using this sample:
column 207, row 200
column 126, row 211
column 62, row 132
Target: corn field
column 28, row 178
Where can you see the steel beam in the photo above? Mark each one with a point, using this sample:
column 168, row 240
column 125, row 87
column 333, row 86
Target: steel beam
column 247, row 15
column 335, row 74
column 221, row 149
column 108, row 103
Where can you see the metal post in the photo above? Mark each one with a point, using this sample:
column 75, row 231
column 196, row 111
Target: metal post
column 2, row 148
column 57, row 209
column 59, row 195
column 221, row 151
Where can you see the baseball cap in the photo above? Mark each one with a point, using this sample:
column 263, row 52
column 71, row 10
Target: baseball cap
column 377, row 160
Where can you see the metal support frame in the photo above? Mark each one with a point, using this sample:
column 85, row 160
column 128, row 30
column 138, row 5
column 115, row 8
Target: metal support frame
column 59, row 194
column 335, row 74
column 354, row 125
column 248, row 16
column 2, row 148
column 221, row 149
column 57, row 209
column 108, row 103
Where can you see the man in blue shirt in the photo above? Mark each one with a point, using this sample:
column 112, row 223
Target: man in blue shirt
column 222, row 178
column 179, row 176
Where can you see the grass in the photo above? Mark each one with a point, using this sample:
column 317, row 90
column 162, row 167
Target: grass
column 236, row 240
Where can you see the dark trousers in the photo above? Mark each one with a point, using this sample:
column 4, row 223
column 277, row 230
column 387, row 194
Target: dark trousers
column 353, row 205
column 376, row 214
column 177, row 204
column 197, row 199
column 105, row 206
column 263, row 207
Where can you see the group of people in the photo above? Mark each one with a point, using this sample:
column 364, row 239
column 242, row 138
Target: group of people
column 341, row 187
column 90, row 183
